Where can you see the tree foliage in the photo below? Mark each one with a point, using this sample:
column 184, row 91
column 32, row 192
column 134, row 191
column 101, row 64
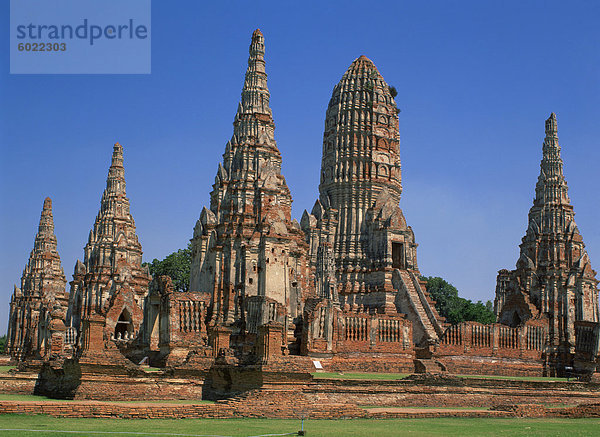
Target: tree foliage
column 455, row 308
column 2, row 344
column 176, row 265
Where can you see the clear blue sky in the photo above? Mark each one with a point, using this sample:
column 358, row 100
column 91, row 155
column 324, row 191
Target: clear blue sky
column 475, row 81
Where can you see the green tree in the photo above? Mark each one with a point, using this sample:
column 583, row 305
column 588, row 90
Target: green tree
column 2, row 344
column 176, row 265
column 455, row 308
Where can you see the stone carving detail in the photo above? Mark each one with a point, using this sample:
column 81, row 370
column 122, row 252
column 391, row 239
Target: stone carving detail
column 37, row 309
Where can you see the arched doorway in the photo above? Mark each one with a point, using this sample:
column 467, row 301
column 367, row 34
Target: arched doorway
column 124, row 325
column 516, row 320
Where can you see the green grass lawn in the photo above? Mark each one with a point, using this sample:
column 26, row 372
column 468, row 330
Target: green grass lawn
column 5, row 369
column 252, row 427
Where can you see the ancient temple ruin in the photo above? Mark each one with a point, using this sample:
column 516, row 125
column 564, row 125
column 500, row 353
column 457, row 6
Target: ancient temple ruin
column 38, row 308
column 342, row 286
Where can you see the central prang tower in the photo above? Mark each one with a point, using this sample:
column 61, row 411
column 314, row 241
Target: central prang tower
column 363, row 251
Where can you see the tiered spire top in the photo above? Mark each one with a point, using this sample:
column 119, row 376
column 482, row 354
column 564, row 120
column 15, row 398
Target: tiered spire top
column 45, row 240
column 115, row 183
column 254, row 118
column 551, row 126
column 46, row 226
column 114, row 205
column 44, row 257
column 551, row 186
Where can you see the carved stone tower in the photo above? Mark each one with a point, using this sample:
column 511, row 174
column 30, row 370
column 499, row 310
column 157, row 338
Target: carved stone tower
column 42, row 289
column 357, row 220
column 109, row 287
column 553, row 278
column 246, row 249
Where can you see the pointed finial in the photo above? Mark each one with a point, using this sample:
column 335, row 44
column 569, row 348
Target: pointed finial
column 551, row 126
column 363, row 60
column 46, row 220
column 257, row 47
column 117, row 157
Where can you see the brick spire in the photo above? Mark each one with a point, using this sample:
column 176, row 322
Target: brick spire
column 113, row 254
column 46, row 226
column 553, row 276
column 113, row 222
column 42, row 287
column 254, row 119
column 551, row 187
column 244, row 245
column 115, row 183
column 44, row 258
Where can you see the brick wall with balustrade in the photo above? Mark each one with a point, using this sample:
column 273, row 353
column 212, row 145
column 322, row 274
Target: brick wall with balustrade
column 475, row 339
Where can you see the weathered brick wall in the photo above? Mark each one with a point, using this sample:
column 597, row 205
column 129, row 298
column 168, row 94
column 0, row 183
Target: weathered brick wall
column 22, row 383
column 276, row 405
column 429, row 391
column 476, row 339
column 75, row 381
column 486, row 365
column 370, row 362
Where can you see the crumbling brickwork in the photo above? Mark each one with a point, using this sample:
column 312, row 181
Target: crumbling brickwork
column 109, row 286
column 37, row 309
column 247, row 252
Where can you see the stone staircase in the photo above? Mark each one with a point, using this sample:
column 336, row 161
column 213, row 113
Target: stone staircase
column 422, row 313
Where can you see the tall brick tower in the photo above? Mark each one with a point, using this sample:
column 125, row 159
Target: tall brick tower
column 553, row 278
column 108, row 288
column 357, row 221
column 42, row 292
column 246, row 250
